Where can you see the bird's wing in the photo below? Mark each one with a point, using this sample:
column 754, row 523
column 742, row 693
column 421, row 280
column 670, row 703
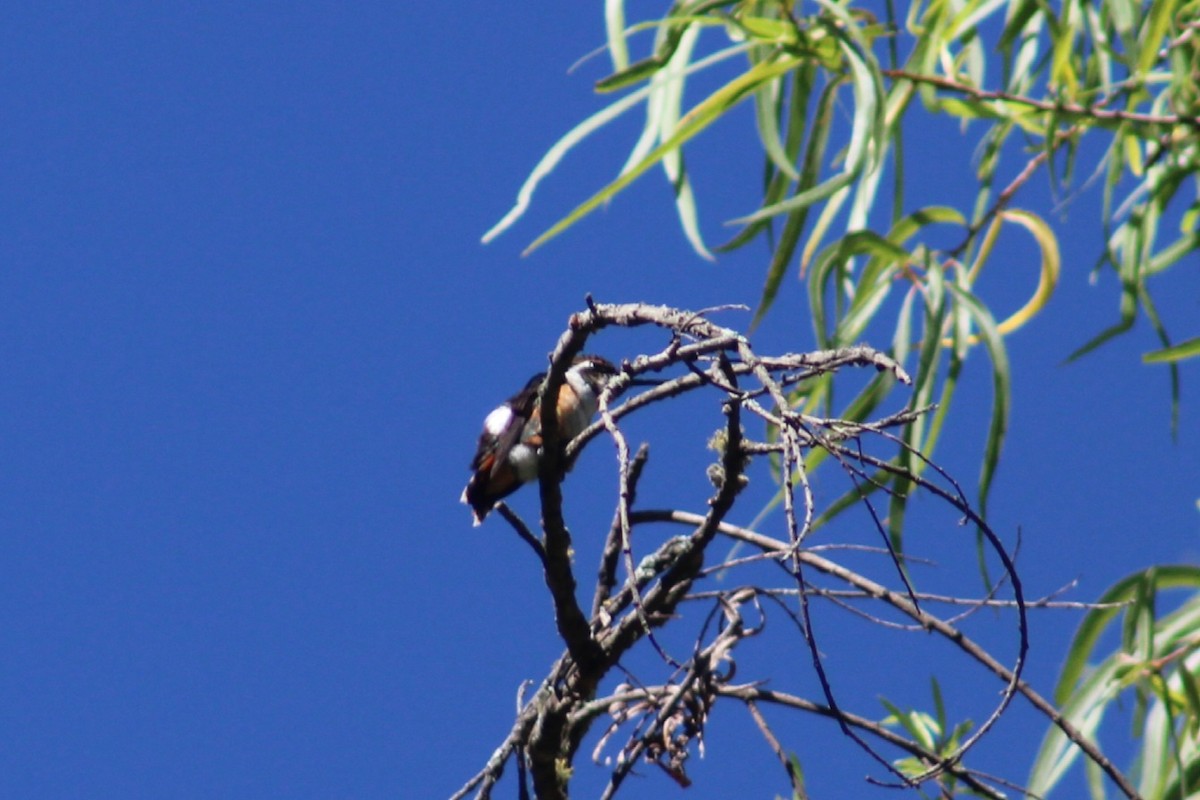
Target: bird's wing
column 523, row 405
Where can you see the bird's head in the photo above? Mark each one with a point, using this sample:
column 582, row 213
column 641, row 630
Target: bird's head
column 595, row 370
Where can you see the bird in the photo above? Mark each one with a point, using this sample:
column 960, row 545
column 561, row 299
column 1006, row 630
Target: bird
column 510, row 445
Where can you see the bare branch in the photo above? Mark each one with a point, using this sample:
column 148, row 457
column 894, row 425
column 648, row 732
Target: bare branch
column 663, row 720
column 606, row 579
column 901, row 603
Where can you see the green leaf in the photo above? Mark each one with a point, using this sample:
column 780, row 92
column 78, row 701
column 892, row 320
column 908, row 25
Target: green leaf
column 780, row 258
column 1189, row 348
column 580, row 132
column 918, row 724
column 1047, row 273
column 939, row 705
column 1085, row 710
column 640, row 70
column 1172, row 253
column 1191, row 696
column 766, row 104
column 1019, row 14
column 1154, row 31
column 866, row 131
column 614, row 24
column 1001, row 389
column 666, row 121
column 674, row 29
column 704, row 114
column 1086, row 688
column 796, row 770
column 1168, row 576
column 1173, row 368
column 793, row 227
column 1108, row 333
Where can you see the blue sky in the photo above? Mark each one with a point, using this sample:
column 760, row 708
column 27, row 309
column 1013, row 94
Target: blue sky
column 249, row 334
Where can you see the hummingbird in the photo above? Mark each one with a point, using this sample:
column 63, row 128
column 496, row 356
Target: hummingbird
column 510, row 445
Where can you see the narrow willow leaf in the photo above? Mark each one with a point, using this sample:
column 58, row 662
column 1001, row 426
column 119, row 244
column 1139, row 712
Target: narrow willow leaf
column 1062, row 52
column 1183, row 785
column 673, row 164
column 902, row 338
column 580, row 132
column 1156, row 757
column 793, row 227
column 898, row 500
column 765, row 103
column 937, row 313
column 1191, row 694
column 685, row 204
column 922, row 433
column 1139, row 617
column 780, row 258
column 814, row 158
column 1001, row 389
column 1128, row 300
column 944, row 403
column 777, row 184
column 1084, row 699
column 699, row 118
column 823, row 272
column 911, row 721
column 666, row 93
column 1096, row 780
column 1047, row 275
column 877, row 128
column 1189, row 348
column 1173, row 368
column 660, row 88
column 972, row 14
column 556, row 153
column 1025, row 69
column 976, row 60
column 851, row 499
column 800, row 200
column 1157, row 24
column 1019, row 14
column 766, row 30
column 973, row 109
column 1122, row 14
column 868, row 242
column 922, row 731
column 1085, row 710
column 903, row 229
column 1132, row 144
column 868, row 297
column 1096, row 622
column 640, row 70
column 939, row 705
column 816, row 306
column 824, row 220
column 1125, row 324
column 897, row 108
column 886, row 258
column 614, row 25
column 1169, row 255
column 797, row 773
column 865, row 133
column 671, row 30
